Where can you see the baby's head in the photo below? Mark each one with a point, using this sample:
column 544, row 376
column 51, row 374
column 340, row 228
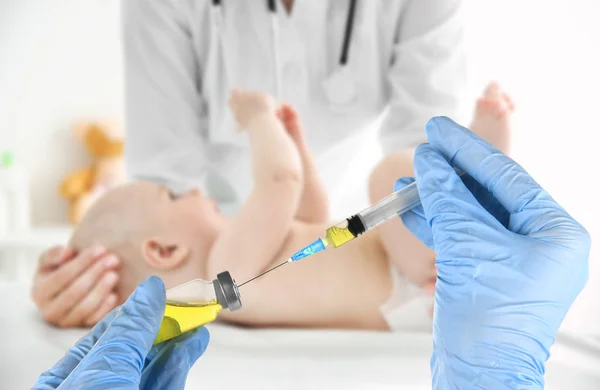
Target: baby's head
column 153, row 231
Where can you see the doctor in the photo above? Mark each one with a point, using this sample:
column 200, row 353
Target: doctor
column 341, row 63
column 510, row 264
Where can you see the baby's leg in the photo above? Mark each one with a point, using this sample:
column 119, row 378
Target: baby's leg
column 412, row 258
column 409, row 255
column 314, row 206
column 492, row 116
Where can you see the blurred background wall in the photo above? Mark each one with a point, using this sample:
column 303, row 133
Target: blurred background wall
column 60, row 61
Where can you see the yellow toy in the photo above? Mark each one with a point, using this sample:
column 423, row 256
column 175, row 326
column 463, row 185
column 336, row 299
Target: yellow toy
column 104, row 142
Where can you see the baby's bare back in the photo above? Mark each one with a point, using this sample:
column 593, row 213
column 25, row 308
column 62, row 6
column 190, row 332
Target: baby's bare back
column 341, row 288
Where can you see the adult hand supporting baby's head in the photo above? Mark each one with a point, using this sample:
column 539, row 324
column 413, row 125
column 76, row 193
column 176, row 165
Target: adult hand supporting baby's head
column 75, row 288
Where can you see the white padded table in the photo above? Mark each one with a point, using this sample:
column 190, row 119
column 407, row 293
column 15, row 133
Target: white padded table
column 275, row 359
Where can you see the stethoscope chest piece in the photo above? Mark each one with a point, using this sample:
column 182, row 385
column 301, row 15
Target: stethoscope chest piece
column 340, row 87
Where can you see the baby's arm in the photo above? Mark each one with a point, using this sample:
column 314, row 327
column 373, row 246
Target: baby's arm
column 254, row 238
column 314, row 205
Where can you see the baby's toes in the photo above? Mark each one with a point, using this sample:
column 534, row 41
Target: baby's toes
column 509, row 102
column 493, row 91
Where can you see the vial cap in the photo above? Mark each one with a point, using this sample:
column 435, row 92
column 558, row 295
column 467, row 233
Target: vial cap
column 227, row 292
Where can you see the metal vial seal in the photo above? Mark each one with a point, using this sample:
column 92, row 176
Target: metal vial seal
column 227, row 292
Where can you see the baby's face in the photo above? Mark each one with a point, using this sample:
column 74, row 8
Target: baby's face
column 187, row 217
column 190, row 213
column 154, row 231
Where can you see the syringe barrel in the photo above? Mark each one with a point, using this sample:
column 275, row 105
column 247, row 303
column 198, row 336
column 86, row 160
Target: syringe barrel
column 392, row 206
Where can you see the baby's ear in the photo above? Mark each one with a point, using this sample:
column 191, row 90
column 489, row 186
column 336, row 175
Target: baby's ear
column 163, row 254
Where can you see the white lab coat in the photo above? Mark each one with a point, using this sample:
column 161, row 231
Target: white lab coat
column 405, row 56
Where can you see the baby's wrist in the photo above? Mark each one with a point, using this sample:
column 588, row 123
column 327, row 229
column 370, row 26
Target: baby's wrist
column 259, row 118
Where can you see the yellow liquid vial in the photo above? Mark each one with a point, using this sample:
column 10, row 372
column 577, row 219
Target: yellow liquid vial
column 336, row 235
column 181, row 317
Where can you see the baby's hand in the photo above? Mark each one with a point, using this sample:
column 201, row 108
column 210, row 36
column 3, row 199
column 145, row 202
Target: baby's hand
column 246, row 106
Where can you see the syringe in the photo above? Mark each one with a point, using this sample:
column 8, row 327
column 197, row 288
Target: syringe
column 389, row 207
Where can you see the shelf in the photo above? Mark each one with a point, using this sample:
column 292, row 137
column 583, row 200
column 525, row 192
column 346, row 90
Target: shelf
column 37, row 237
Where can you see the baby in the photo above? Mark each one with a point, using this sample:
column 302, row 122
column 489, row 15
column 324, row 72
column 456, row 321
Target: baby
column 382, row 281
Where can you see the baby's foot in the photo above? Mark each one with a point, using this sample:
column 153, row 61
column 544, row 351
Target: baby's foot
column 291, row 122
column 491, row 120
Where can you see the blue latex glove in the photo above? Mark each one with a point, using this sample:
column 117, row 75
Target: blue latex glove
column 118, row 352
column 510, row 262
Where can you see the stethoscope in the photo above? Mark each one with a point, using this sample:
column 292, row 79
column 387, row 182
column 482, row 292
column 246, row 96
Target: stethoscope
column 340, row 85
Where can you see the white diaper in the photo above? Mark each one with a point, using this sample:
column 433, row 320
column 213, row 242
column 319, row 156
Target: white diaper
column 408, row 307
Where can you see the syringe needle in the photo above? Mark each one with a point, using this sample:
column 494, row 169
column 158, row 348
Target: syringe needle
column 309, row 250
column 266, row 272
